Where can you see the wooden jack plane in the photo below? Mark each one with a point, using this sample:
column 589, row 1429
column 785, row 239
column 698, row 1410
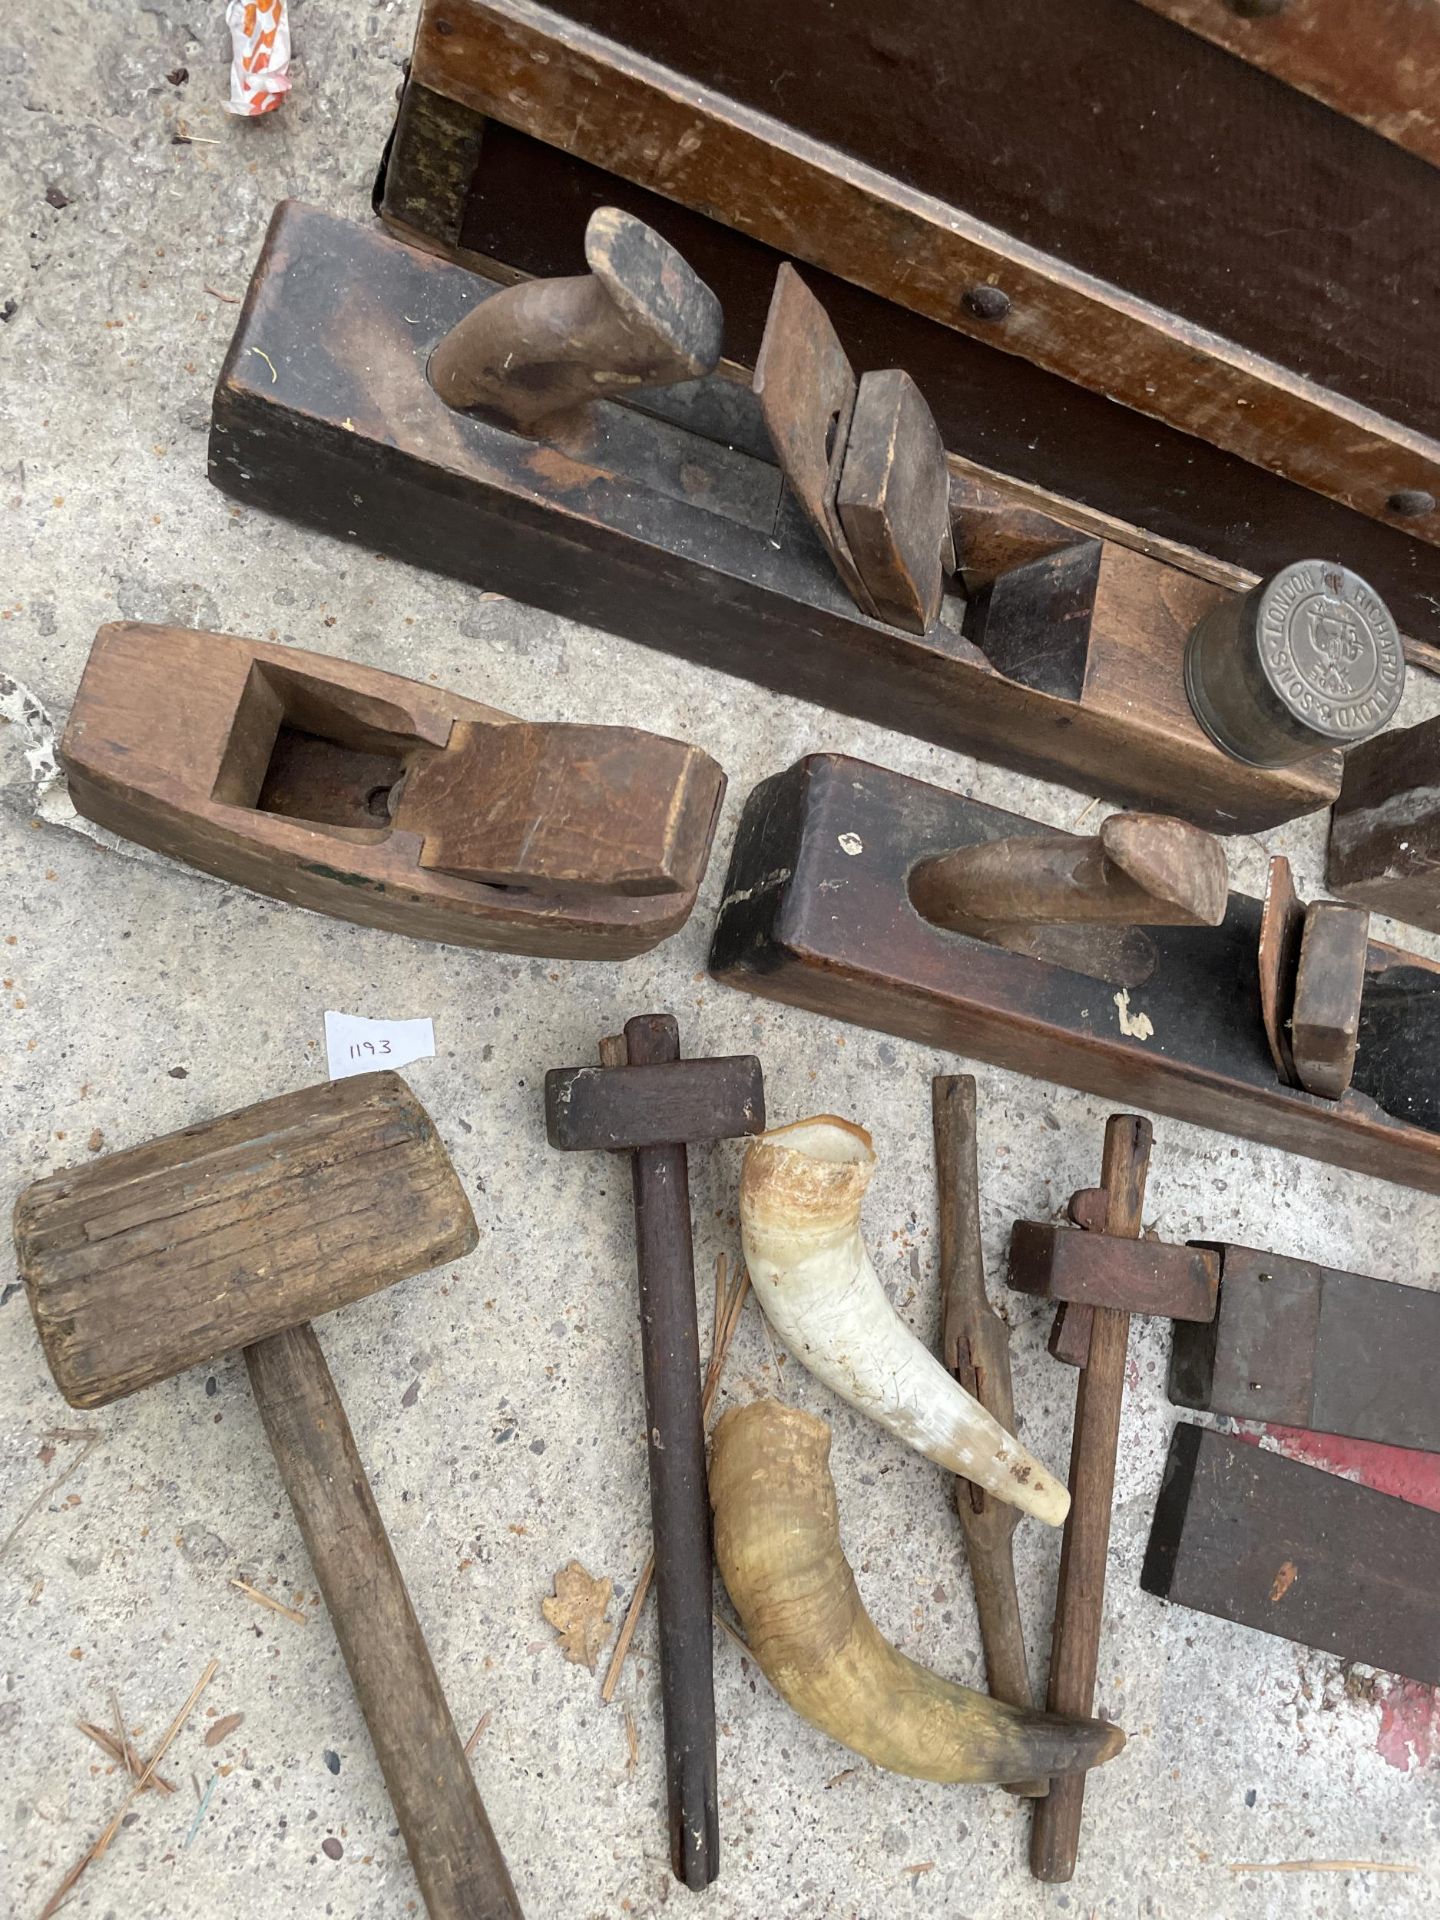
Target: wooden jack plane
column 387, row 802
column 573, row 443
column 1117, row 963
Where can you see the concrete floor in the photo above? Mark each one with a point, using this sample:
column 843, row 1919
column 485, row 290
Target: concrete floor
column 498, row 1404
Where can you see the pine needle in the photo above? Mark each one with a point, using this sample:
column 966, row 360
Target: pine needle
column 97, row 1851
column 200, row 1810
column 108, row 1744
column 1320, row 1866
column 90, row 1440
column 276, row 1606
column 734, row 1632
column 480, row 1726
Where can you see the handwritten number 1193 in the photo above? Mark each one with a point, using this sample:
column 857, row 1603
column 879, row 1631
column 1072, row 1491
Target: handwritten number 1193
column 360, row 1048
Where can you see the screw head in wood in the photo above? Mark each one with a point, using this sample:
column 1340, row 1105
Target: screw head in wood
column 1410, row 503
column 986, row 302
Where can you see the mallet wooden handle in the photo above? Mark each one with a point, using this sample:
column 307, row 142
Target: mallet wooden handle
column 679, row 1499
column 977, row 1351
column 457, row 1861
column 1080, row 1601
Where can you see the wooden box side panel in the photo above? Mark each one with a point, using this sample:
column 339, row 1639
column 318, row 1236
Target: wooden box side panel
column 1251, row 1536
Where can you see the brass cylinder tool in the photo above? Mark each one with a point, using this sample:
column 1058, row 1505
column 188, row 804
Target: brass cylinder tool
column 1308, row 659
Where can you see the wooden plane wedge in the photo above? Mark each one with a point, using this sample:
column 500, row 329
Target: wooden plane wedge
column 821, row 909
column 390, row 803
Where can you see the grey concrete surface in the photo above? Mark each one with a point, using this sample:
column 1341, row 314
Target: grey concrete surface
column 498, row 1403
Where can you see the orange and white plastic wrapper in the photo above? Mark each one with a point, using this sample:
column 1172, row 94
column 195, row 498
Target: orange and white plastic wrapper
column 260, row 68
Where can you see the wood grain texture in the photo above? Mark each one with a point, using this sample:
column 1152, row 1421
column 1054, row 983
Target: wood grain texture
column 639, row 318
column 883, row 231
column 679, row 1494
column 349, row 791
column 1329, row 988
column 1282, row 922
column 894, row 500
column 570, row 812
column 668, row 1103
column 1138, row 870
column 1099, row 467
column 975, row 1341
column 151, row 1260
column 1308, row 1346
column 669, row 526
column 1141, row 1276
column 1009, row 114
column 1385, row 827
column 1085, row 1545
column 1376, row 66
column 815, row 913
column 454, row 1852
column 1250, row 1536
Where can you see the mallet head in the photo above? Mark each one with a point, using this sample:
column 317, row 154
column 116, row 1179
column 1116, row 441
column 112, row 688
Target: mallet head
column 166, row 1255
column 667, row 1103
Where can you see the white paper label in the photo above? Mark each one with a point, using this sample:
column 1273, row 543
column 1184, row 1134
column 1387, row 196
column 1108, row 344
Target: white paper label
column 356, row 1045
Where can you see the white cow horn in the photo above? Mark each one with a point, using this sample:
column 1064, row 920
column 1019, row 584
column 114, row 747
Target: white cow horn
column 800, row 1194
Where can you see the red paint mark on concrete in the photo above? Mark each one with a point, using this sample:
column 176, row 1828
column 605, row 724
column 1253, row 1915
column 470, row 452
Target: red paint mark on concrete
column 1409, row 1712
column 1132, row 1372
column 1409, row 1724
column 1404, row 1471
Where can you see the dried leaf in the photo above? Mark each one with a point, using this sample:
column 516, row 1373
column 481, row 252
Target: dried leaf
column 222, row 1729
column 577, row 1613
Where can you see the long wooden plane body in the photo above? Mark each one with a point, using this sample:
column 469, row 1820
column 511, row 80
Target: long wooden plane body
column 817, row 913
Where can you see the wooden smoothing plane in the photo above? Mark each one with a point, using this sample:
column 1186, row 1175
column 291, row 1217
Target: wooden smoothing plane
column 383, row 801
column 572, row 442
column 1116, row 963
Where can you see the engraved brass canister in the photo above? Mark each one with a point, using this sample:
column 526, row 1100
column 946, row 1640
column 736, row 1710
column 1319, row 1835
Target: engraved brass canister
column 1308, row 659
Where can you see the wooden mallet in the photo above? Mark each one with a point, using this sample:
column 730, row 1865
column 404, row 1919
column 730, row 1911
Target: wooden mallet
column 655, row 1106
column 236, row 1233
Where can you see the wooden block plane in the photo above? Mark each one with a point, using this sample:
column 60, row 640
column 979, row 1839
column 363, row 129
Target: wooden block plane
column 820, row 910
column 379, row 800
column 666, row 518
